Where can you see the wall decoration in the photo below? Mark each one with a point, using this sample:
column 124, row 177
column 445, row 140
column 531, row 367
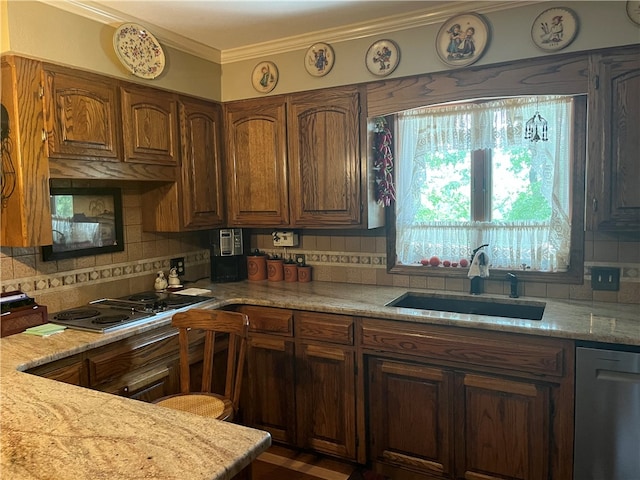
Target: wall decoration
column 554, row 29
column 138, row 50
column 462, row 40
column 319, row 59
column 382, row 57
column 264, row 77
column 633, row 12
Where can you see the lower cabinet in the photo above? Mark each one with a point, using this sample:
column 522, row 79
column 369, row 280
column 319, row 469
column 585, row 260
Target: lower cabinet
column 72, row 370
column 301, row 379
column 446, row 403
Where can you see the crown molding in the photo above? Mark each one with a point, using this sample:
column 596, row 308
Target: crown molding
column 430, row 16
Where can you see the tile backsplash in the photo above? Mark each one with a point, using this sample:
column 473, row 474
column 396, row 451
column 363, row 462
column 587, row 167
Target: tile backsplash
column 336, row 256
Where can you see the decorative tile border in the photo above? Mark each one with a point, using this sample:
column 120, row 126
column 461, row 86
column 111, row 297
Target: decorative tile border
column 629, row 272
column 354, row 259
column 61, row 281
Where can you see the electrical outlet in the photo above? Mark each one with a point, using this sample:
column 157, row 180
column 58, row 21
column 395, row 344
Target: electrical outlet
column 605, row 278
column 300, row 258
column 178, row 264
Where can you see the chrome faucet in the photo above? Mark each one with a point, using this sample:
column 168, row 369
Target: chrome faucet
column 514, row 285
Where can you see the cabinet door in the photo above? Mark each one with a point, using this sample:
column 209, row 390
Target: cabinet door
column 201, row 173
column 503, row 428
column 256, row 177
column 324, row 158
column 613, row 197
column 71, row 370
column 410, row 416
column 150, row 122
column 81, row 116
column 270, row 403
column 325, row 397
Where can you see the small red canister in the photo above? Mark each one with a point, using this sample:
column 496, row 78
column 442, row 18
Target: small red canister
column 290, row 272
column 304, row 273
column 275, row 269
column 256, row 266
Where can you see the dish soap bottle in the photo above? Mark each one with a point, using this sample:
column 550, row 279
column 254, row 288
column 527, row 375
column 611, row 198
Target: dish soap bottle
column 161, row 282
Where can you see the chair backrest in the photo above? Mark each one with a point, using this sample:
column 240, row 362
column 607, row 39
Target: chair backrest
column 236, row 325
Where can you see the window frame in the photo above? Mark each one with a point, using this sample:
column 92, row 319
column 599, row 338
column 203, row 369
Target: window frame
column 575, row 273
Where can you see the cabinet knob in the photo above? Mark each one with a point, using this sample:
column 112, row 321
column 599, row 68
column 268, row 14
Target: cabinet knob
column 595, row 204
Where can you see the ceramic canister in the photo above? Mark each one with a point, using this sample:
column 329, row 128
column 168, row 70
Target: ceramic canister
column 290, row 272
column 275, row 270
column 304, row 274
column 256, row 267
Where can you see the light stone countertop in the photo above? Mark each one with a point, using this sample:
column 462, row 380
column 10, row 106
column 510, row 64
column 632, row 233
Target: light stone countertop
column 51, row 430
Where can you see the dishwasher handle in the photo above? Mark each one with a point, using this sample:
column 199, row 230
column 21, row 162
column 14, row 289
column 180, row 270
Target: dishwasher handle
column 614, row 376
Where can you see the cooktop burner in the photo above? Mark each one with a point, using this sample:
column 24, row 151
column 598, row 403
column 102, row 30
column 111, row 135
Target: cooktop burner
column 108, row 314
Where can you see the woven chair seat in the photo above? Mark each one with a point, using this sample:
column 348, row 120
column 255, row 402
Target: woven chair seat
column 203, row 404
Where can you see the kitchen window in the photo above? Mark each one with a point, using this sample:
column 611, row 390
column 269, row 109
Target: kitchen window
column 492, row 171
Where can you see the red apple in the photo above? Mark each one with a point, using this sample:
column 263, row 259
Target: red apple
column 446, row 263
column 464, row 262
column 424, row 261
column 434, row 261
column 454, row 264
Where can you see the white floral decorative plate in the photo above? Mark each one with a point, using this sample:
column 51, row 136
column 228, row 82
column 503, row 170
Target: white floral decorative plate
column 138, row 50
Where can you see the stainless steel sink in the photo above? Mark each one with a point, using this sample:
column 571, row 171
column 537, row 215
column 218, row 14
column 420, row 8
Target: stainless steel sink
column 477, row 306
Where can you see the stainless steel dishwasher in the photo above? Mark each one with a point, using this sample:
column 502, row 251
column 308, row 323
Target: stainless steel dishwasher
column 607, row 413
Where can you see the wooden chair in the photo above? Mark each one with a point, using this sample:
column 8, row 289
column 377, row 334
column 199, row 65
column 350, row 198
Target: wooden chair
column 206, row 403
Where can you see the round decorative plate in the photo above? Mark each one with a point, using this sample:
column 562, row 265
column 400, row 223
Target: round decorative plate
column 264, row 77
column 462, row 40
column 138, row 50
column 633, row 12
column 319, row 59
column 382, row 57
column 554, row 29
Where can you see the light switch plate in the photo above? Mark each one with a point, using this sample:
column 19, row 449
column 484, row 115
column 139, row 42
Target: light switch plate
column 605, row 278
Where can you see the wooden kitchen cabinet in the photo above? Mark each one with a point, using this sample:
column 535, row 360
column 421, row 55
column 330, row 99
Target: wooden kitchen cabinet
column 456, row 403
column 301, row 388
column 256, row 163
column 298, row 161
column 613, row 197
column 195, row 201
column 72, row 370
column 324, row 158
column 26, row 214
column 268, row 399
column 81, row 115
column 150, row 125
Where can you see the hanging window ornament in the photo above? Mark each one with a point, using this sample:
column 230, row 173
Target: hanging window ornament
column 536, row 129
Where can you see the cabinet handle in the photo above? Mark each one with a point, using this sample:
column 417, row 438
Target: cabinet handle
column 44, row 135
column 595, row 204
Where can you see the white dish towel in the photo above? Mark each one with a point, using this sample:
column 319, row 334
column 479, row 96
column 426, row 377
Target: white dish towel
column 479, row 266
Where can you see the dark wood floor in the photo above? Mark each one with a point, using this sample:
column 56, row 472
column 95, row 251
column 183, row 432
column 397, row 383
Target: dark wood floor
column 280, row 463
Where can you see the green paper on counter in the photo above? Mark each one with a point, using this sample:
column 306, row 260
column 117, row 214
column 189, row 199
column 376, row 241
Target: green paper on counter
column 45, row 330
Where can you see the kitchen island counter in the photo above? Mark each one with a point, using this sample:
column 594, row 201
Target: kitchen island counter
column 51, row 430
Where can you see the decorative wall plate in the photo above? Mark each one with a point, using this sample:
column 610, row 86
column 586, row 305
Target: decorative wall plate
column 319, row 59
column 633, row 12
column 382, row 57
column 264, row 77
column 138, row 50
column 554, row 29
column 462, row 39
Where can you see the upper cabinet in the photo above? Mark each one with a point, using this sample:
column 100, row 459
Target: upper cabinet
column 26, row 213
column 195, row 201
column 82, row 115
column 297, row 161
column 613, row 197
column 324, row 158
column 150, row 122
column 256, row 162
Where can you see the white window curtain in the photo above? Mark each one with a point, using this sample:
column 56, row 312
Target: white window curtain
column 535, row 245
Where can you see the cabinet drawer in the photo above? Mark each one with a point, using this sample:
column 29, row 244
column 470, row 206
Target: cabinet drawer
column 134, row 353
column 269, row 320
column 326, row 327
column 492, row 349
